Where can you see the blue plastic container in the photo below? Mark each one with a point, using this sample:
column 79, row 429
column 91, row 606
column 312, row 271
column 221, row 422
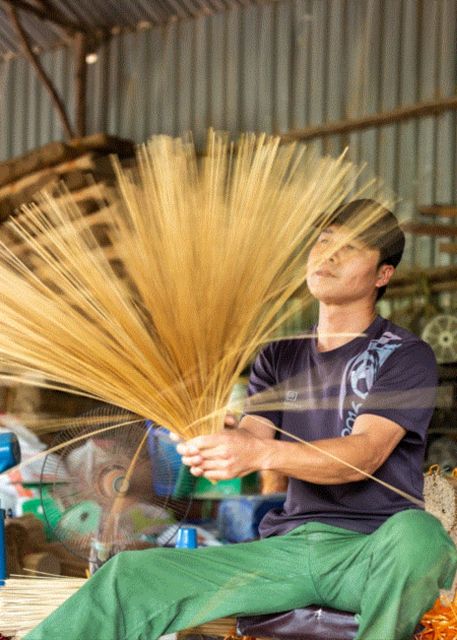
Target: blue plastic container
column 10, row 452
column 186, row 538
column 10, row 455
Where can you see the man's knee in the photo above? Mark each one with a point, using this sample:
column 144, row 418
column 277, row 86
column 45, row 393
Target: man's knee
column 416, row 542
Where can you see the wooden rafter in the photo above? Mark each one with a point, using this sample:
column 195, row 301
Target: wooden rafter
column 448, row 247
column 81, row 50
column 84, row 38
column 434, row 230
column 34, row 60
column 439, row 280
column 418, row 110
column 440, row 210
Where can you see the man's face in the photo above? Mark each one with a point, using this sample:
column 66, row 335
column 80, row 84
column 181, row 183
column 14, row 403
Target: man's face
column 342, row 270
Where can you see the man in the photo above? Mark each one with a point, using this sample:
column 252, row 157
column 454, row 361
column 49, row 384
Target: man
column 364, row 391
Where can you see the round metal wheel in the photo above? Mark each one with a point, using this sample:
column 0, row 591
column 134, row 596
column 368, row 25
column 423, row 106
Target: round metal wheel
column 441, row 335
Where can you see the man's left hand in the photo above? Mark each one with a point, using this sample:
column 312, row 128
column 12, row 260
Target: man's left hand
column 225, row 455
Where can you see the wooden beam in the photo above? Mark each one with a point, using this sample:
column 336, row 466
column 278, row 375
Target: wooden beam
column 406, row 283
column 81, row 49
column 443, row 210
column 418, row 110
column 34, row 60
column 448, row 247
column 433, row 274
column 412, row 290
column 435, row 230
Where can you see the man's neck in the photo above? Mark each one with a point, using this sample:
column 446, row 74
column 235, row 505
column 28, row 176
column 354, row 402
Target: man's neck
column 339, row 324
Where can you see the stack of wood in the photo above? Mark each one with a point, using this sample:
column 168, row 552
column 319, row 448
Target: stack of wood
column 440, row 212
column 406, row 284
column 75, row 163
column 27, row 550
column 439, row 279
column 82, row 170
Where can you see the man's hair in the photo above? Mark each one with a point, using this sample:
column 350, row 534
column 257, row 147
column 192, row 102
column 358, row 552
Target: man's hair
column 384, row 234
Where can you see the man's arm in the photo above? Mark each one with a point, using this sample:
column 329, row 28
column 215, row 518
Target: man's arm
column 251, row 447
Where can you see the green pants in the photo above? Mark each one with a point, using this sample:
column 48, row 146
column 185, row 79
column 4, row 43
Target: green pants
column 390, row 577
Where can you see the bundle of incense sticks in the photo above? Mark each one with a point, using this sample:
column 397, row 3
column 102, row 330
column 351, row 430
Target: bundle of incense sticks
column 26, row 601
column 198, row 257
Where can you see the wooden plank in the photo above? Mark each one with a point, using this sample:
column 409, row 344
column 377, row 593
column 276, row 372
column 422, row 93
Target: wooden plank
column 418, row 110
column 90, row 162
column 435, row 274
column 434, row 230
column 448, row 247
column 412, row 289
column 443, row 210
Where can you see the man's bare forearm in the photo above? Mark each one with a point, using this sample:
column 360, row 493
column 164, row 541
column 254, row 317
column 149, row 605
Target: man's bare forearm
column 321, row 462
column 252, row 447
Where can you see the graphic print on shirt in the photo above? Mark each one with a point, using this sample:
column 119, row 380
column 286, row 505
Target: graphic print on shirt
column 360, row 374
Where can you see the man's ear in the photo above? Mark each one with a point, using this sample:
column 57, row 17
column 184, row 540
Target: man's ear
column 385, row 272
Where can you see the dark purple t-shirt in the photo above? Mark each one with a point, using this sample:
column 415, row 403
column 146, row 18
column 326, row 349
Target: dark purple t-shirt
column 387, row 372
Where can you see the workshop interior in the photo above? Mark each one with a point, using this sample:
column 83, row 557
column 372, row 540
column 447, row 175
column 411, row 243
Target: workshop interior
column 84, row 87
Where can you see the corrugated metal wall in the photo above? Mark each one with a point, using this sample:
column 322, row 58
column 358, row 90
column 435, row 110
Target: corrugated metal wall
column 272, row 67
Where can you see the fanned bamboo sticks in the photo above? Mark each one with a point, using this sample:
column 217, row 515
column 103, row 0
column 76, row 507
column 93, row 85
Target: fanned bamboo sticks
column 210, row 250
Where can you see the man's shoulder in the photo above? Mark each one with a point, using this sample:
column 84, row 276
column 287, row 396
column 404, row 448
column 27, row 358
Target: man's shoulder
column 393, row 336
column 291, row 345
column 285, row 356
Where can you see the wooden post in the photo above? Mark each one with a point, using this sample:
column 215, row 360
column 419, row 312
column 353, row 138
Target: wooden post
column 34, row 60
column 81, row 83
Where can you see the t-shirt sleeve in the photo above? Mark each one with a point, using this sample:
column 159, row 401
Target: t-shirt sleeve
column 262, row 381
column 405, row 389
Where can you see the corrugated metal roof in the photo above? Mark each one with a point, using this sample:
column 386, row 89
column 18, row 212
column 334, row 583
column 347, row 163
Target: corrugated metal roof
column 99, row 17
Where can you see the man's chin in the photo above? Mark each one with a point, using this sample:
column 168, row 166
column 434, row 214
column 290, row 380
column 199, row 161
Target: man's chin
column 326, row 294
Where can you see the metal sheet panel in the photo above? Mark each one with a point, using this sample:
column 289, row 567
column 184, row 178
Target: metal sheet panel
column 103, row 17
column 272, row 67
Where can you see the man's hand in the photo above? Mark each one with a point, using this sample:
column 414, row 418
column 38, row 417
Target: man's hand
column 230, row 421
column 222, row 456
